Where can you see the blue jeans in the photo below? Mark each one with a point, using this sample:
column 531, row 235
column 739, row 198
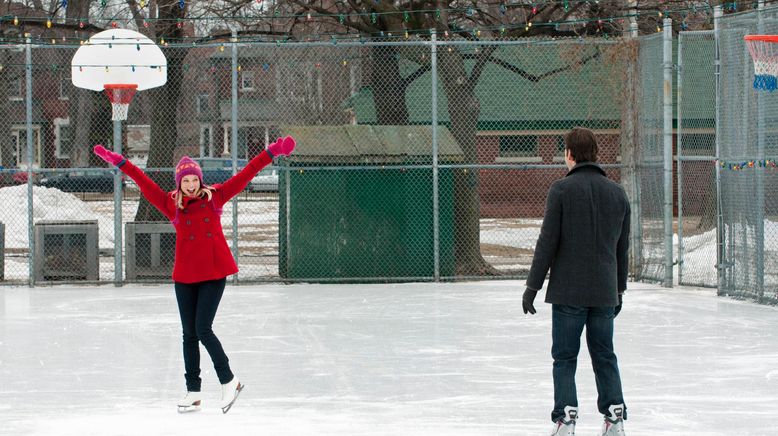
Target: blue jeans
column 567, row 323
column 197, row 304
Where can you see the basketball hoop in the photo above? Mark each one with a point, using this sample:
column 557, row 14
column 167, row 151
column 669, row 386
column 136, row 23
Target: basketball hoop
column 764, row 51
column 120, row 96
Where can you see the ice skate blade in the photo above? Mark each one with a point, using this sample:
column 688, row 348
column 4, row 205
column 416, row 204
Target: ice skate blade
column 227, row 408
column 189, row 409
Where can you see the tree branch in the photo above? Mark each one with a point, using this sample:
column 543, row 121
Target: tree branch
column 531, row 77
column 483, row 57
column 415, row 75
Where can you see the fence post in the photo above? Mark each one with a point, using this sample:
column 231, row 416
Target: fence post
column 668, row 149
column 435, row 180
column 630, row 149
column 718, row 12
column 234, row 146
column 679, row 153
column 760, row 156
column 30, row 155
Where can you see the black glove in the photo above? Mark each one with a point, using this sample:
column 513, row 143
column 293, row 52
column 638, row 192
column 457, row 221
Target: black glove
column 618, row 308
column 527, row 299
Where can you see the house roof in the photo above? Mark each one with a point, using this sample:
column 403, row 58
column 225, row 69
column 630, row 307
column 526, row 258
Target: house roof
column 539, row 89
column 370, row 144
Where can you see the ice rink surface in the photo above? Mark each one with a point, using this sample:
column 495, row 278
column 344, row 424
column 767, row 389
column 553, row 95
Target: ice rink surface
column 393, row 359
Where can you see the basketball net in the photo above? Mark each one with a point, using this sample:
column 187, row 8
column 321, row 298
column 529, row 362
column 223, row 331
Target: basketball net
column 764, row 51
column 120, row 97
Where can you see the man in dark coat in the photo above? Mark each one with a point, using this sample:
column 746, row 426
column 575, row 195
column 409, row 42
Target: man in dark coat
column 583, row 241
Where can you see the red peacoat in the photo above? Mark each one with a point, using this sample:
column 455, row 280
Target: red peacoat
column 202, row 252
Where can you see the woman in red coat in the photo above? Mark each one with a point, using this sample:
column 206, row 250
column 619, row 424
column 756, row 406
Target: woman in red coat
column 203, row 260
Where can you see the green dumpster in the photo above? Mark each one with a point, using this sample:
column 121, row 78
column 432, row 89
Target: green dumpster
column 356, row 202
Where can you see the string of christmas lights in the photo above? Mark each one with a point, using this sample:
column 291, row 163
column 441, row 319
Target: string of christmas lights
column 749, row 164
column 495, row 30
column 343, row 16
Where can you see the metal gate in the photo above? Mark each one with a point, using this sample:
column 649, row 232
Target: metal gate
column 696, row 160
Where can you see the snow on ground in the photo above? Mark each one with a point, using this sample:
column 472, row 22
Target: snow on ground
column 393, row 359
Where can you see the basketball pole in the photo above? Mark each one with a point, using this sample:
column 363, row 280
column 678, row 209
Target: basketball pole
column 117, row 207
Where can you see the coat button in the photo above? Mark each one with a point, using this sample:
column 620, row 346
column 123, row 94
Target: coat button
column 202, row 206
column 191, row 237
column 184, row 211
column 208, row 234
column 207, row 220
column 188, row 222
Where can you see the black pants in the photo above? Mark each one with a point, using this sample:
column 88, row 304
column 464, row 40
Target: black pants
column 567, row 324
column 197, row 305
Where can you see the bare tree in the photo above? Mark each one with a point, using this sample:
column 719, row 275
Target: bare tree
column 372, row 19
column 164, row 100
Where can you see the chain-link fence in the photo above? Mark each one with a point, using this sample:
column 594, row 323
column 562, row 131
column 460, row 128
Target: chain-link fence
column 415, row 160
column 696, row 160
column 748, row 144
column 650, row 263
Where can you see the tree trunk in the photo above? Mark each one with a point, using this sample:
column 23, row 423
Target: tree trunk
column 6, row 152
column 82, row 104
column 710, row 209
column 464, row 109
column 388, row 87
column 164, row 110
column 164, row 131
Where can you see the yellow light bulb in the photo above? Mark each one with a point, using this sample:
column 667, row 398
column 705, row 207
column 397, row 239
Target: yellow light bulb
column 16, row 21
column 48, row 24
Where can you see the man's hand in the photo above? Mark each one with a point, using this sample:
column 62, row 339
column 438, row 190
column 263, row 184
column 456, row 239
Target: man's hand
column 618, row 308
column 527, row 301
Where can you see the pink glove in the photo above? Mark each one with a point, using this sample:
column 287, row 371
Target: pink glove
column 107, row 155
column 281, row 147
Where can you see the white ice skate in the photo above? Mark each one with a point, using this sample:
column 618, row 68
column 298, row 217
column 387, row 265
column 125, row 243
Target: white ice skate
column 230, row 392
column 190, row 403
column 614, row 422
column 565, row 426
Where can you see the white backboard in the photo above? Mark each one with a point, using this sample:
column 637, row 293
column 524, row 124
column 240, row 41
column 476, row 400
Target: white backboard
column 119, row 56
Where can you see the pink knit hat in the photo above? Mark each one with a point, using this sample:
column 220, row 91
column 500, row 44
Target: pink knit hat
column 185, row 167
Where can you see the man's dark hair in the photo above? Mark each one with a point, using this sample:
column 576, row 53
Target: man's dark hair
column 582, row 145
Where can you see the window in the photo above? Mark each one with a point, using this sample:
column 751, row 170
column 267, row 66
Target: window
column 518, row 146
column 247, row 81
column 206, row 141
column 560, row 148
column 202, row 104
column 15, row 88
column 19, row 144
column 299, row 84
column 63, row 138
column 64, row 86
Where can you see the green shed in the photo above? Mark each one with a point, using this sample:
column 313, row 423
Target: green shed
column 356, row 202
